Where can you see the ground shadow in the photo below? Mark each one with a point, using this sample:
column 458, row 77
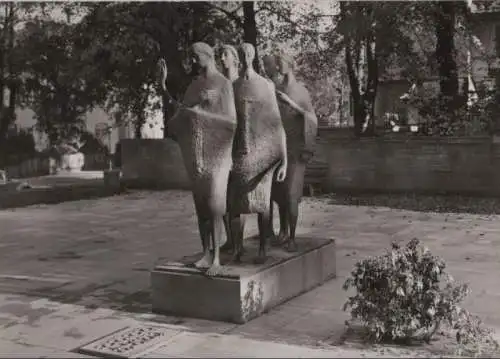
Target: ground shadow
column 113, row 295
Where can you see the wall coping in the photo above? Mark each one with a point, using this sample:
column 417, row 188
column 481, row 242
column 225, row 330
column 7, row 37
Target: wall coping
column 435, row 140
column 332, row 137
column 146, row 139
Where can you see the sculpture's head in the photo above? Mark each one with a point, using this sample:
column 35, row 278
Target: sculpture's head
column 284, row 62
column 247, row 54
column 270, row 66
column 202, row 55
column 229, row 57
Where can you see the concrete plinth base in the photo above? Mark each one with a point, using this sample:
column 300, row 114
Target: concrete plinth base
column 246, row 290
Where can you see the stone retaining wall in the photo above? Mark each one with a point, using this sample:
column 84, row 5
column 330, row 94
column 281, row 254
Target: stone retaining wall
column 416, row 165
column 153, row 163
column 343, row 163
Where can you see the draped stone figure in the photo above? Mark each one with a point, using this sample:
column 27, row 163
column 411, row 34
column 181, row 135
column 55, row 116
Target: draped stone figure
column 301, row 125
column 235, row 227
column 230, row 62
column 259, row 149
column 270, row 67
column 204, row 127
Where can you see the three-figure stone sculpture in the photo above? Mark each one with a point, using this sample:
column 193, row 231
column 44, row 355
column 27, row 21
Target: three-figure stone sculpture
column 204, row 127
column 245, row 141
column 301, row 126
column 239, row 147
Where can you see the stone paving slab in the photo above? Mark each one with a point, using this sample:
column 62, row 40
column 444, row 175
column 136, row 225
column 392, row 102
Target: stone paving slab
column 11, row 349
column 196, row 345
column 181, row 338
column 203, row 339
column 98, row 253
column 70, row 325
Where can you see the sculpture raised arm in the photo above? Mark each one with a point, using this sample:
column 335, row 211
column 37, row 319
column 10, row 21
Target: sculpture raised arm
column 163, row 72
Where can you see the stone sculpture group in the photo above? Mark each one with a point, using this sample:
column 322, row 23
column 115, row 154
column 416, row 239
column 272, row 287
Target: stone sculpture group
column 245, row 140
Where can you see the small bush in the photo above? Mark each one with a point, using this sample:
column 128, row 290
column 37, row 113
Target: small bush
column 473, row 338
column 461, row 120
column 406, row 294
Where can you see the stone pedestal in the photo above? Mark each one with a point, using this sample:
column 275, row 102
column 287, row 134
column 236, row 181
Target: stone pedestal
column 246, row 290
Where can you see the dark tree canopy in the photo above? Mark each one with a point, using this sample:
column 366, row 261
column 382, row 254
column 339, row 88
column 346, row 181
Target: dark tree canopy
column 105, row 53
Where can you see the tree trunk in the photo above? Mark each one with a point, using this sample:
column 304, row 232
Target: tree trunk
column 140, row 114
column 445, row 54
column 372, row 83
column 357, row 98
column 2, row 93
column 4, row 53
column 363, row 99
column 52, row 131
column 175, row 84
column 352, row 52
column 11, row 111
column 359, row 114
column 177, row 80
column 12, row 84
column 250, row 30
column 198, row 9
column 140, row 120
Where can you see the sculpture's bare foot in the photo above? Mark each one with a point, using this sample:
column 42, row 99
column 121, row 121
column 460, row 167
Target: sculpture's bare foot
column 275, row 241
column 281, row 239
column 260, row 259
column 291, row 246
column 214, row 270
column 204, row 262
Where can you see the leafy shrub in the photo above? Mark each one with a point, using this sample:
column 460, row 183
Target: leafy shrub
column 406, row 294
column 473, row 338
column 462, row 120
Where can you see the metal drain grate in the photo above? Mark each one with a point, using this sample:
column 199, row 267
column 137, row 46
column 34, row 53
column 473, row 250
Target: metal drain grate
column 128, row 342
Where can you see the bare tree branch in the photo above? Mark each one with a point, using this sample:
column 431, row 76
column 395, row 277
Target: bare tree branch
column 297, row 27
column 231, row 14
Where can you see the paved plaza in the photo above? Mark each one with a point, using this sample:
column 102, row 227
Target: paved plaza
column 73, row 272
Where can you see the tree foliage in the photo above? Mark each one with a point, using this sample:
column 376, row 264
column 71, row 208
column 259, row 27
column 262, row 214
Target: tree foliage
column 21, row 29
column 381, row 40
column 375, row 38
column 12, row 16
column 59, row 87
column 125, row 40
column 105, row 53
